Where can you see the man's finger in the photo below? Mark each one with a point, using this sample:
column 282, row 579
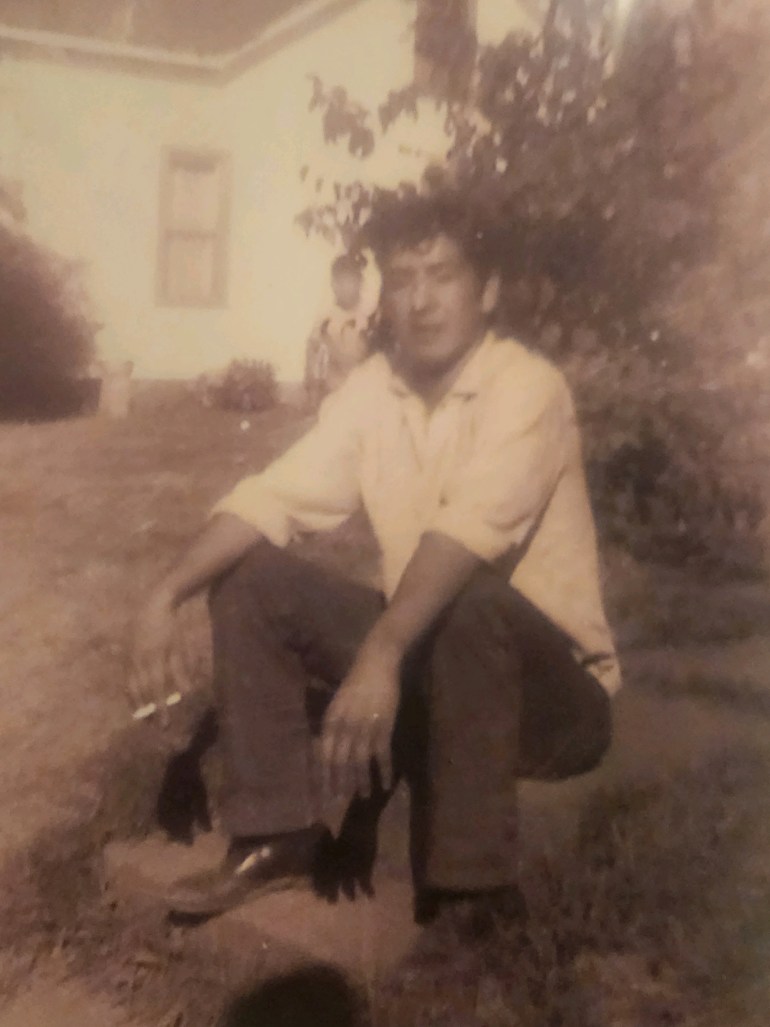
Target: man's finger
column 332, row 727
column 134, row 688
column 163, row 686
column 340, row 761
column 361, row 759
column 146, row 684
column 142, row 678
column 383, row 752
column 189, row 657
column 155, row 678
column 177, row 673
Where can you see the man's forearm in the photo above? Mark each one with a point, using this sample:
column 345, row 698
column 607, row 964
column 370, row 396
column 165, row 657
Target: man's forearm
column 220, row 544
column 437, row 572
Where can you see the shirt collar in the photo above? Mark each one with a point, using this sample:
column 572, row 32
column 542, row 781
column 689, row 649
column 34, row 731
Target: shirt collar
column 470, row 379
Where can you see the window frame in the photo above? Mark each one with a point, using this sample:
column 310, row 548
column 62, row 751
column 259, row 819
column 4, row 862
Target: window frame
column 171, row 157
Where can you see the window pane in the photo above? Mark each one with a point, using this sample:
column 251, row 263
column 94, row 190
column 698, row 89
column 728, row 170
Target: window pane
column 190, row 269
column 193, row 231
column 195, row 196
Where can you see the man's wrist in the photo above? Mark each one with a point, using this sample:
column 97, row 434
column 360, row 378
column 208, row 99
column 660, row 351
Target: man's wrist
column 386, row 645
column 165, row 596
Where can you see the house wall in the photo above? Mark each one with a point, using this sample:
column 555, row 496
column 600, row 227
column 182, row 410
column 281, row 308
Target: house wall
column 87, row 144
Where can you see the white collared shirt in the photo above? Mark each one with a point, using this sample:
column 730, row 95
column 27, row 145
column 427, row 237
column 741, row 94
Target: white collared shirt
column 496, row 466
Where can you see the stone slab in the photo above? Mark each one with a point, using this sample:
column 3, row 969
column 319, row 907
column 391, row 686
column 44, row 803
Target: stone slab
column 280, row 932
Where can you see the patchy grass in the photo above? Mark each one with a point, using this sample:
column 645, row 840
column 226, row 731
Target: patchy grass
column 91, row 511
column 745, row 696
column 644, row 922
column 658, row 914
column 656, row 605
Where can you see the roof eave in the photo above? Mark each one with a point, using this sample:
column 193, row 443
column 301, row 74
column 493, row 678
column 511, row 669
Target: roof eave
column 149, row 60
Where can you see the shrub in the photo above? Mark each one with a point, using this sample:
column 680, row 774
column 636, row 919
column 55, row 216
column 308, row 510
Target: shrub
column 247, row 385
column 676, row 468
column 677, row 484
column 46, row 341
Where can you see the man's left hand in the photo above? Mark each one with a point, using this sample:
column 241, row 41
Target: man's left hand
column 358, row 726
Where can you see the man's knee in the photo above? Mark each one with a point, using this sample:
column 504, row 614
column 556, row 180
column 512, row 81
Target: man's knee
column 574, row 744
column 255, row 575
column 480, row 615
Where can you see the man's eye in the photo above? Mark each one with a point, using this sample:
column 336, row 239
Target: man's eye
column 444, row 272
column 398, row 282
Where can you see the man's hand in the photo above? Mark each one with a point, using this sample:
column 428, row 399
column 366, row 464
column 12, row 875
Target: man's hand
column 153, row 671
column 358, row 727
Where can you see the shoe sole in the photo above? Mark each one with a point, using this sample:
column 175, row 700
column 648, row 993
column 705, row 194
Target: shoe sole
column 199, row 909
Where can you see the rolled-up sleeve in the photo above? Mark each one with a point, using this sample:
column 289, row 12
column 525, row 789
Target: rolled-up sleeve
column 497, row 497
column 314, row 486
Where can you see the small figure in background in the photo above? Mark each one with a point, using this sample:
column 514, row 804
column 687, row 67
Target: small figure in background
column 339, row 341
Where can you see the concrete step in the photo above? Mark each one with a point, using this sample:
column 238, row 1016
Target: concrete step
column 279, row 933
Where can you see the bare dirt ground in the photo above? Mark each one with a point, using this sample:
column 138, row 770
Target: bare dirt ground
column 89, row 512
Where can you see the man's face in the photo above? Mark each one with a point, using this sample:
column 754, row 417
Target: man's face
column 435, row 304
column 347, row 288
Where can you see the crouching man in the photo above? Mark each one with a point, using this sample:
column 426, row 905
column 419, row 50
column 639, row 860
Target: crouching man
column 487, row 656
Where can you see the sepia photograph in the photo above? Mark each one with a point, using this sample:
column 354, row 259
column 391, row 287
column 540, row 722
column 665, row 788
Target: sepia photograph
column 385, row 513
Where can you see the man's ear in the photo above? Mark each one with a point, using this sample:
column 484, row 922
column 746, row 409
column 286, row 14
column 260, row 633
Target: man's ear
column 491, row 293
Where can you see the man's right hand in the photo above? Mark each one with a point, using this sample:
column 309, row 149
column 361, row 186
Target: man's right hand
column 155, row 670
column 152, row 674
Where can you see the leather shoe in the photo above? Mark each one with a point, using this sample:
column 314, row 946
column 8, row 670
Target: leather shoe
column 249, row 869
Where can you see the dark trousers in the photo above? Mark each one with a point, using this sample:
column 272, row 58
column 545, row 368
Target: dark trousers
column 492, row 694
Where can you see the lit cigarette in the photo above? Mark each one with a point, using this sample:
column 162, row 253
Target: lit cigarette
column 147, row 711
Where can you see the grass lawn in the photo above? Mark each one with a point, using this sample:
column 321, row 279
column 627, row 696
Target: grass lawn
column 653, row 916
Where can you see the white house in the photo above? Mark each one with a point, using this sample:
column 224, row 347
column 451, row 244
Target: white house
column 174, row 174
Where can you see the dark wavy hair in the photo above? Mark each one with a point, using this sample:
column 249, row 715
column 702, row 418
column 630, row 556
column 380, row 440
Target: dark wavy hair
column 405, row 220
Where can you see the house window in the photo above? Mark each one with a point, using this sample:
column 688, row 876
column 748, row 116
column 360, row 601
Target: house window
column 194, row 212
column 444, row 46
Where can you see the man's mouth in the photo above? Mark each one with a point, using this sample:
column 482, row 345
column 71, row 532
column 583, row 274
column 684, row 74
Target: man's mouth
column 427, row 330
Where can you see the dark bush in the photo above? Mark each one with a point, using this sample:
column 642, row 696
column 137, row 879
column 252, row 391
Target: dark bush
column 247, row 385
column 46, row 342
column 676, row 480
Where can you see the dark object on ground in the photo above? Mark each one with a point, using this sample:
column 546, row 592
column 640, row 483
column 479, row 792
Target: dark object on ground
column 182, row 803
column 317, row 996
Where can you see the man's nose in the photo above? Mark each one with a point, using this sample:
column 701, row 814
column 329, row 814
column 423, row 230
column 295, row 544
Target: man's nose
column 420, row 294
